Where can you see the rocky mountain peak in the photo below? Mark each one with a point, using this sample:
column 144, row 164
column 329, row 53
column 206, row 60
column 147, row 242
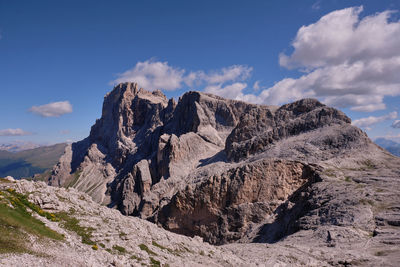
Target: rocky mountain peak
column 206, row 165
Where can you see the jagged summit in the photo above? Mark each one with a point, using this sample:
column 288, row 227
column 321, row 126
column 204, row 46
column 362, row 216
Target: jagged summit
column 210, row 166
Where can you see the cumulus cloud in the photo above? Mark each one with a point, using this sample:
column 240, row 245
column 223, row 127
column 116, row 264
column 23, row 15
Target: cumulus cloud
column 153, row 75
column 54, row 109
column 232, row 91
column 14, row 132
column 396, row 124
column 232, row 73
column 341, row 36
column 349, row 62
column 371, row 120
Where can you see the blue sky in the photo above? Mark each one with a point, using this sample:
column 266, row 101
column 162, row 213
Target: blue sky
column 59, row 58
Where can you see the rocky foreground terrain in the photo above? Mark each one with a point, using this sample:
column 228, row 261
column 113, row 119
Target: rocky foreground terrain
column 295, row 185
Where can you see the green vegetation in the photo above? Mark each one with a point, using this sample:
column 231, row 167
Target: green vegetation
column 348, row 179
column 16, row 221
column 119, row 249
column 22, row 202
column 72, row 224
column 154, row 262
column 154, row 243
column 381, row 253
column 329, row 172
column 369, row 164
column 146, row 248
column 134, row 257
column 29, row 162
column 186, row 249
column 175, row 252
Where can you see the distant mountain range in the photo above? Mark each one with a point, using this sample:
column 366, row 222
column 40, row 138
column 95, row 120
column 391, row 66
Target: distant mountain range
column 18, row 146
column 389, row 145
column 26, row 163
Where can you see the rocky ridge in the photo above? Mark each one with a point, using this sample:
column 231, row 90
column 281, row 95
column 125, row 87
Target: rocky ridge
column 117, row 240
column 230, row 171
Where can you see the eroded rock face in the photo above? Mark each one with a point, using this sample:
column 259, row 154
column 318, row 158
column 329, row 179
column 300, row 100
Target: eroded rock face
column 259, row 127
column 205, row 165
column 223, row 207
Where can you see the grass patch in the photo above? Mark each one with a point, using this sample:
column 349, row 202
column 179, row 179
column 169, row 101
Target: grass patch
column 154, row 262
column 329, row 172
column 146, row 248
column 154, row 243
column 122, row 234
column 381, row 253
column 369, row 164
column 16, row 221
column 175, row 252
column 348, row 179
column 360, row 186
column 72, row 224
column 134, row 257
column 119, row 249
column 186, row 249
column 21, row 201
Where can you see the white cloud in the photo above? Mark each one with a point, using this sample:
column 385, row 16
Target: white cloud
column 230, row 74
column 390, row 136
column 341, row 36
column 232, row 91
column 349, row 62
column 371, row 120
column 14, row 132
column 396, row 124
column 153, row 75
column 54, row 109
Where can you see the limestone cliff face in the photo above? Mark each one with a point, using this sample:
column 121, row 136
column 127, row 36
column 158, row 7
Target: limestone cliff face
column 224, row 207
column 204, row 165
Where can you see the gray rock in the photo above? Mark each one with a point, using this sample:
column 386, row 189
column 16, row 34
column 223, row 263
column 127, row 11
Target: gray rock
column 230, row 171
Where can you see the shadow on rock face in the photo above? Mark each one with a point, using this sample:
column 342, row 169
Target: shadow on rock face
column 287, row 215
column 227, row 207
